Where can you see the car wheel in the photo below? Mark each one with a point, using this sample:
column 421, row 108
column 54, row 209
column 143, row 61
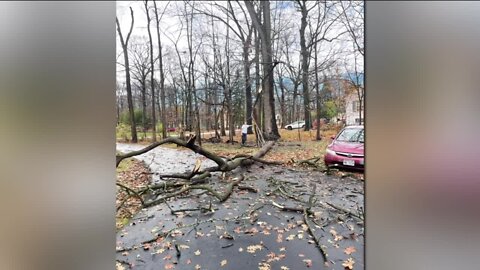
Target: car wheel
column 289, row 128
column 303, row 126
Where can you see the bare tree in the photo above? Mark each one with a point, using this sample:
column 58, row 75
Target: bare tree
column 305, row 58
column 124, row 43
column 140, row 71
column 152, row 67
column 162, row 73
column 353, row 19
column 264, row 30
column 244, row 32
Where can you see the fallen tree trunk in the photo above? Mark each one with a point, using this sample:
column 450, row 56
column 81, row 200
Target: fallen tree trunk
column 190, row 144
column 196, row 179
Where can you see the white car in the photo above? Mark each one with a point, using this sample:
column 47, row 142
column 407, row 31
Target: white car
column 294, row 125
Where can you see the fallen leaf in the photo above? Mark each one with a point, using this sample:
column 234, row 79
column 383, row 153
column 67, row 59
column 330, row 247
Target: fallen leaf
column 240, row 250
column 279, row 238
column 223, row 263
column 197, row 253
column 348, row 264
column 119, row 266
column 308, row 262
column 183, row 247
column 254, row 248
column 197, row 267
column 264, row 266
column 169, row 266
column 284, row 268
column 350, row 250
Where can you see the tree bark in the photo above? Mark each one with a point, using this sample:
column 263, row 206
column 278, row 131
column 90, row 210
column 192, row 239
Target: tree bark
column 163, row 117
column 264, row 31
column 124, row 43
column 144, row 105
column 318, row 137
column 152, row 80
column 305, row 56
column 248, row 85
column 228, row 90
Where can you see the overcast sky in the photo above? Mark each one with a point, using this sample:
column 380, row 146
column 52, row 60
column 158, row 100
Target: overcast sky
column 170, row 25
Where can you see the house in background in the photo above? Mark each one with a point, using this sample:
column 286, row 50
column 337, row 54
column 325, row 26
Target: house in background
column 345, row 90
column 353, row 114
column 355, row 100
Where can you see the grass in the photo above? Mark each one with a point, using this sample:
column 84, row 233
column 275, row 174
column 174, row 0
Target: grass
column 125, row 165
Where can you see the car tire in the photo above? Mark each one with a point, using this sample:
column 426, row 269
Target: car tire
column 289, row 128
column 303, row 126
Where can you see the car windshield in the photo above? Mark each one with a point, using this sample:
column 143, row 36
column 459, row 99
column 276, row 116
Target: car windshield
column 351, row 135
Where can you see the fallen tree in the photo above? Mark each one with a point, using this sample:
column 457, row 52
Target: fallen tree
column 197, row 178
column 292, row 196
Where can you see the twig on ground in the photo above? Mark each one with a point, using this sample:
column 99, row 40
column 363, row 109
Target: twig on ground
column 345, row 210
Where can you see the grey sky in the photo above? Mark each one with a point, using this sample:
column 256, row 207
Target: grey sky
column 170, row 26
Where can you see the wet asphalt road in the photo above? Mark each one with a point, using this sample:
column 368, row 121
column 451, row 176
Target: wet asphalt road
column 224, row 239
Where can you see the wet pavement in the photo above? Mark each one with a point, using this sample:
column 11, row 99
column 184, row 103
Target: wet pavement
column 247, row 231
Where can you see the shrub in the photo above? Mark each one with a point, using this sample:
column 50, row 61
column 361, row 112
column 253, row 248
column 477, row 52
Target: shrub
column 138, row 114
column 122, row 132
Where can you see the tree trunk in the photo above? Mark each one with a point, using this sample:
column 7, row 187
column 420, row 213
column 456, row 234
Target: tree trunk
column 318, row 137
column 152, row 73
column 269, row 97
column 264, row 30
column 124, row 43
column 282, row 101
column 304, row 54
column 248, row 87
column 163, row 117
column 228, row 90
column 294, row 102
column 197, row 116
column 222, row 122
column 257, row 81
column 144, row 106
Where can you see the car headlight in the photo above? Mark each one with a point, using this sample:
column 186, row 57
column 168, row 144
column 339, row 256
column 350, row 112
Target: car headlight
column 331, row 152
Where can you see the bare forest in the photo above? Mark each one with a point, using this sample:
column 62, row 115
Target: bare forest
column 207, row 67
column 194, row 78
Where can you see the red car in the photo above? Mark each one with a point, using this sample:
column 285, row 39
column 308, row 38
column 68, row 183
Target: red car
column 347, row 149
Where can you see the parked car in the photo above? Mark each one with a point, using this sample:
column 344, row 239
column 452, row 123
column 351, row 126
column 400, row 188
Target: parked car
column 347, row 149
column 294, row 125
column 171, row 129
